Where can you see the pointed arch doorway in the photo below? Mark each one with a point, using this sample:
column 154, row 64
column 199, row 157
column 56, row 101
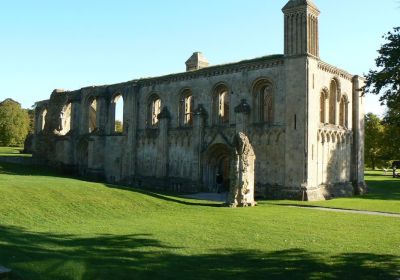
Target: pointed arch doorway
column 216, row 168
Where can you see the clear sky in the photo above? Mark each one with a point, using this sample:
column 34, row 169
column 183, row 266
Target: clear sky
column 48, row 44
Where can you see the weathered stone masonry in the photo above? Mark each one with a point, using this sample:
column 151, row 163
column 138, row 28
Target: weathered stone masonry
column 302, row 117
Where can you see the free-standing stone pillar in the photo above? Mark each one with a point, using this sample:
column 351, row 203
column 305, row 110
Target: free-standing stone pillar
column 241, row 191
column 162, row 143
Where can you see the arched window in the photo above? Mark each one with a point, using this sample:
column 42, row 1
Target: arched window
column 343, row 112
column 41, row 120
column 65, row 119
column 263, row 102
column 322, row 105
column 333, row 92
column 186, row 108
column 117, row 108
column 153, row 109
column 221, row 105
column 92, row 114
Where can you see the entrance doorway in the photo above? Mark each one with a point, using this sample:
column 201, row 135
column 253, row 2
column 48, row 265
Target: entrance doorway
column 216, row 168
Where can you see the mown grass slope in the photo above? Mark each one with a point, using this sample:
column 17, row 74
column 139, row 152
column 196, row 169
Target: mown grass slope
column 53, row 227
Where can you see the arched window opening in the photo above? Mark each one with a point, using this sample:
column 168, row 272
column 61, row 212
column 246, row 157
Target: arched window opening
column 92, row 113
column 65, row 120
column 322, row 108
column 43, row 119
column 154, row 108
column 118, row 104
column 186, row 109
column 267, row 101
column 333, row 91
column 221, row 105
column 343, row 113
column 263, row 102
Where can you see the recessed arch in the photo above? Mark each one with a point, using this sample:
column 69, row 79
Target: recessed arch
column 65, row 119
column 117, row 112
column 92, row 108
column 344, row 111
column 323, row 101
column 153, row 110
column 186, row 107
column 333, row 94
column 41, row 119
column 263, row 100
column 221, row 104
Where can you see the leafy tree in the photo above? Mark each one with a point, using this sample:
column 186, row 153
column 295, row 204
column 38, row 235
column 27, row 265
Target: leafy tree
column 118, row 126
column 14, row 123
column 31, row 114
column 386, row 79
column 374, row 137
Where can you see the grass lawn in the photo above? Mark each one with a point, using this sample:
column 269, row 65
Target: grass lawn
column 52, row 227
column 383, row 196
column 12, row 151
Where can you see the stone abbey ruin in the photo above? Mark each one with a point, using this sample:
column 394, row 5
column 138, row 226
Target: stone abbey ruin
column 279, row 126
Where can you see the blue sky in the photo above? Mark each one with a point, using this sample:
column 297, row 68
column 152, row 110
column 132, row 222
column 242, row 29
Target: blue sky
column 47, row 44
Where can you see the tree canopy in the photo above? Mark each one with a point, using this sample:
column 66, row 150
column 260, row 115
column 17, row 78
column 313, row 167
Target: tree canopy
column 14, row 123
column 386, row 79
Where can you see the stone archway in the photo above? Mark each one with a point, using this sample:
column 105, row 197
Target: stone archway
column 216, row 167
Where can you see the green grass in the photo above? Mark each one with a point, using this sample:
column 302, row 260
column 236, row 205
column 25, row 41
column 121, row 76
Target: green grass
column 12, row 151
column 383, row 196
column 52, row 227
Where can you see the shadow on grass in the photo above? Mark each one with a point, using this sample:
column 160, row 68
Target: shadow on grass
column 34, row 255
column 167, row 196
column 32, row 170
column 383, row 189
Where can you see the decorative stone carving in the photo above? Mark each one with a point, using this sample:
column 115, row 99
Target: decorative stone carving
column 241, row 192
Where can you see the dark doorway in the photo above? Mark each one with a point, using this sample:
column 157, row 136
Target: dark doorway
column 216, row 168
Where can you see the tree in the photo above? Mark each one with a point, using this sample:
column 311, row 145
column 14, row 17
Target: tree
column 14, row 123
column 386, row 79
column 118, row 126
column 374, row 136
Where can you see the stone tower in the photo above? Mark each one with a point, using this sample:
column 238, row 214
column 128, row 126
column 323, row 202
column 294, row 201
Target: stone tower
column 301, row 28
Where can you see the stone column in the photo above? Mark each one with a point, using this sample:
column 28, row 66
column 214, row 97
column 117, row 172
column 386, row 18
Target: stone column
column 101, row 117
column 162, row 144
column 200, row 116
column 242, row 112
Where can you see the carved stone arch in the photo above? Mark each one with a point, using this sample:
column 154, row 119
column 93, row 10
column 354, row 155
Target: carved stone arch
column 325, row 92
column 336, row 79
column 263, row 91
column 41, row 118
column 185, row 106
column 221, row 103
column 91, row 111
column 117, row 99
column 328, row 137
column 334, row 98
column 153, row 108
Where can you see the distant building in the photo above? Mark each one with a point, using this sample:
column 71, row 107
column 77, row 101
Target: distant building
column 304, row 119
